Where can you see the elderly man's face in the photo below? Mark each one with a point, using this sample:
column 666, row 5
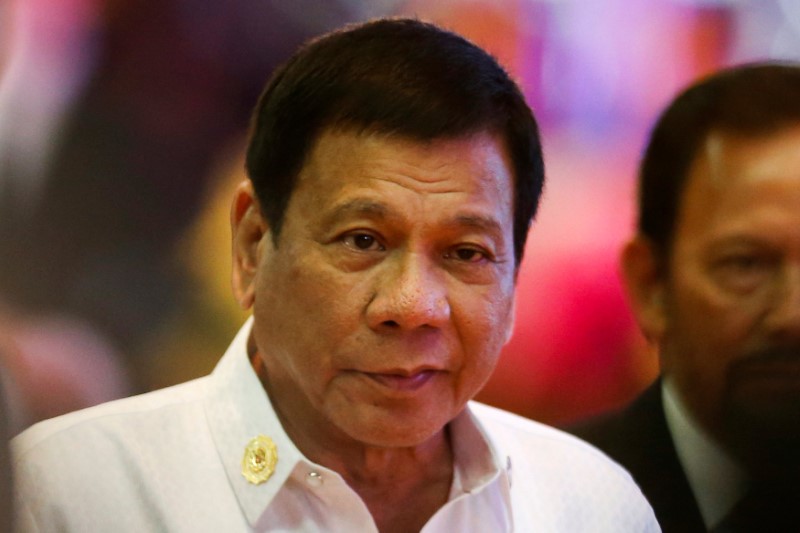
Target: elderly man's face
column 384, row 307
column 731, row 339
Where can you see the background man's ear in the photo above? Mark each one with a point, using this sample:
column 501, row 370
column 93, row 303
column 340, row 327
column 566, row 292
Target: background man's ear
column 248, row 229
column 645, row 282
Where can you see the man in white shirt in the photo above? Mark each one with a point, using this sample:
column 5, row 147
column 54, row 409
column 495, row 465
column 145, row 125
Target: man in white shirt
column 394, row 170
column 714, row 278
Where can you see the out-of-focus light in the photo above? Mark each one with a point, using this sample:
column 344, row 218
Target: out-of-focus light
column 791, row 8
column 709, row 3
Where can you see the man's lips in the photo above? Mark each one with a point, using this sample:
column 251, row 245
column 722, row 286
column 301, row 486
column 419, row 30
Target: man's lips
column 403, row 381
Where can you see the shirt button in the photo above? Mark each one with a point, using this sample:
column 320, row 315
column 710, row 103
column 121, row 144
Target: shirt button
column 314, row 479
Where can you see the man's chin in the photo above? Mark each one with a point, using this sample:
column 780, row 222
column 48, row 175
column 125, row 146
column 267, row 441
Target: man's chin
column 761, row 413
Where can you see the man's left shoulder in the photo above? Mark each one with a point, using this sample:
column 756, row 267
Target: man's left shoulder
column 561, row 480
column 515, row 433
column 541, row 451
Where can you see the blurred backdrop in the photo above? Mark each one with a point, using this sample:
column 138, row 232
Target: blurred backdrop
column 122, row 126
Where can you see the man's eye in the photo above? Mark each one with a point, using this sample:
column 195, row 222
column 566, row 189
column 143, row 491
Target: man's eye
column 469, row 255
column 744, row 264
column 363, row 242
column 745, row 272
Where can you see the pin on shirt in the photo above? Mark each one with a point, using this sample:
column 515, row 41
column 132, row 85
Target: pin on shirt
column 260, row 458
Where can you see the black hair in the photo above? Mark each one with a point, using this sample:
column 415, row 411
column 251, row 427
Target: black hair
column 394, row 76
column 754, row 99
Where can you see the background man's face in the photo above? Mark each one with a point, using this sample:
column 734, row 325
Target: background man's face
column 390, row 294
column 732, row 338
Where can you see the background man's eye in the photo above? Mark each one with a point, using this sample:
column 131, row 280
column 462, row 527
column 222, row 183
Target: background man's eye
column 745, row 263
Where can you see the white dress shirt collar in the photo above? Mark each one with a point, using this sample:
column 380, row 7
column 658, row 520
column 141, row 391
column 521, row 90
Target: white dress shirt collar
column 239, row 409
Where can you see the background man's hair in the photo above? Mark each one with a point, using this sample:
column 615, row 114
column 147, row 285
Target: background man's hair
column 752, row 100
column 396, row 77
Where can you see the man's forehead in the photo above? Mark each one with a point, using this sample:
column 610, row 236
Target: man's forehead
column 345, row 159
column 728, row 154
column 462, row 216
column 740, row 182
column 374, row 135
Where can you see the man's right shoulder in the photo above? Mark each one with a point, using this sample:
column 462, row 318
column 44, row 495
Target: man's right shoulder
column 125, row 415
column 119, row 465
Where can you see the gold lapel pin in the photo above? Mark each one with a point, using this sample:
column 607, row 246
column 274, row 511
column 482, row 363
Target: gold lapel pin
column 260, row 458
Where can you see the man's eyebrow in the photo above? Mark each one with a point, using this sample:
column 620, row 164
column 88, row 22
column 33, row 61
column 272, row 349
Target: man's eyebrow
column 482, row 223
column 357, row 206
column 720, row 243
column 378, row 210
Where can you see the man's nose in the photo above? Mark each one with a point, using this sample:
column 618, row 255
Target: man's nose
column 410, row 293
column 784, row 315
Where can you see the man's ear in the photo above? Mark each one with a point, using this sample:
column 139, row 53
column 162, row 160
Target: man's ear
column 645, row 283
column 511, row 320
column 248, row 229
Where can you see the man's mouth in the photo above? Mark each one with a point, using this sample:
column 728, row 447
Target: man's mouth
column 403, row 381
column 780, row 368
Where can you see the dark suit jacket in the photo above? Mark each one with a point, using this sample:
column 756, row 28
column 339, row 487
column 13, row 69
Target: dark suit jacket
column 638, row 439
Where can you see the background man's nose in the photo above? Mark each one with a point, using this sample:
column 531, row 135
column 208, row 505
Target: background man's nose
column 784, row 316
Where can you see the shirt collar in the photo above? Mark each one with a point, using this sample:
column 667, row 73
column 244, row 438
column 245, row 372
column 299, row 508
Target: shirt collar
column 717, row 481
column 238, row 409
column 478, row 462
column 482, row 471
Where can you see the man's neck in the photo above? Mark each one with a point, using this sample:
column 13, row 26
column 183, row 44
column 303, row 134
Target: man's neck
column 402, row 487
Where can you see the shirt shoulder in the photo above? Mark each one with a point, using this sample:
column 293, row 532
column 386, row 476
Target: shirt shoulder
column 125, row 465
column 558, row 479
column 122, row 414
column 515, row 431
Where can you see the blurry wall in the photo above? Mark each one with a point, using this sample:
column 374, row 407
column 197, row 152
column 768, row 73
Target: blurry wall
column 121, row 131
